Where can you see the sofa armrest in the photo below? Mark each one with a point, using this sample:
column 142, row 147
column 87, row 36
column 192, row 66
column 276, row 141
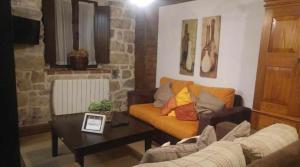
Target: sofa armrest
column 140, row 97
column 234, row 115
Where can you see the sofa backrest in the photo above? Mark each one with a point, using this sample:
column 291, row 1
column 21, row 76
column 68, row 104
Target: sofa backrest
column 75, row 96
column 225, row 94
column 286, row 157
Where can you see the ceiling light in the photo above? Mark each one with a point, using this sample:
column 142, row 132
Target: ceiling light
column 141, row 3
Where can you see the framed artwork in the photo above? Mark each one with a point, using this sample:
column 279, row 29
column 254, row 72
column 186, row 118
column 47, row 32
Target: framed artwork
column 210, row 46
column 93, row 123
column 188, row 46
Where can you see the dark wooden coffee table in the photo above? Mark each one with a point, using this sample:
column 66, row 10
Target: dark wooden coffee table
column 68, row 129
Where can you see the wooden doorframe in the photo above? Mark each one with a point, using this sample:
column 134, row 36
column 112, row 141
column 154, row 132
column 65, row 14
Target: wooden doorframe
column 146, row 35
column 8, row 99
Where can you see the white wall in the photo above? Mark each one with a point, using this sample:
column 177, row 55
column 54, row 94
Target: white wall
column 241, row 25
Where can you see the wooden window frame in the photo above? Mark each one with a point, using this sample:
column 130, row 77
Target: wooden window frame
column 102, row 32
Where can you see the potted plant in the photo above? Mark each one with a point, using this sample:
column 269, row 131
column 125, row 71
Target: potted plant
column 102, row 107
column 79, row 59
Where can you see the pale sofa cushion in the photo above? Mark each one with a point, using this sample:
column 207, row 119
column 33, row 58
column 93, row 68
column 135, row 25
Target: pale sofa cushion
column 162, row 95
column 241, row 130
column 218, row 154
column 208, row 102
column 207, row 137
column 225, row 94
column 267, row 141
column 170, row 152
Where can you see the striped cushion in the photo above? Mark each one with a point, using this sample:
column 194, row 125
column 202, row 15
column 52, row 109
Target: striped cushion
column 218, row 154
column 267, row 141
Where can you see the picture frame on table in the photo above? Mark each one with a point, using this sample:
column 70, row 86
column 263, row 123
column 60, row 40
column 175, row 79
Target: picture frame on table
column 93, row 123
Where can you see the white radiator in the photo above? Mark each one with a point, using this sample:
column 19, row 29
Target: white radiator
column 74, row 96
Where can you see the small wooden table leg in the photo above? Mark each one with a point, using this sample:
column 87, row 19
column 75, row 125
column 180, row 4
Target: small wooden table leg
column 79, row 158
column 148, row 143
column 54, row 143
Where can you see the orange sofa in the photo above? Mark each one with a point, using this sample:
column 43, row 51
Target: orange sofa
column 141, row 107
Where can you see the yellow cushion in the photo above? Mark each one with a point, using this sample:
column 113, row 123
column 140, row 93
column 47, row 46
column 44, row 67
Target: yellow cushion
column 224, row 94
column 170, row 125
column 177, row 85
column 183, row 97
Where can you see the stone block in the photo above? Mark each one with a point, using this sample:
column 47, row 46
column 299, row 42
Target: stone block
column 116, row 12
column 39, row 101
column 44, row 92
column 120, row 35
column 116, row 3
column 116, row 105
column 117, row 58
column 124, row 67
column 19, row 74
column 114, row 86
column 120, row 23
column 129, row 37
column 24, row 84
column 32, row 94
column 38, row 87
column 22, row 99
column 117, row 46
column 129, row 83
column 120, row 95
column 130, row 48
column 29, row 63
column 37, row 77
column 126, row 74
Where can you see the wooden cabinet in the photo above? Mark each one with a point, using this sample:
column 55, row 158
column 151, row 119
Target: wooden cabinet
column 277, row 92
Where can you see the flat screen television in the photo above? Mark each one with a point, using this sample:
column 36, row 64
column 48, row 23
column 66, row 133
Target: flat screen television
column 26, row 31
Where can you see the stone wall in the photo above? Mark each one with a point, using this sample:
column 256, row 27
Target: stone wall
column 34, row 77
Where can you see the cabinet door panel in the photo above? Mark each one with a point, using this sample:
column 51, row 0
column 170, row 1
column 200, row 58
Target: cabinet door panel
column 283, row 32
column 278, row 71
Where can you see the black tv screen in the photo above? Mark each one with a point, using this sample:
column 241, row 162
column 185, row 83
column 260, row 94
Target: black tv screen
column 26, row 31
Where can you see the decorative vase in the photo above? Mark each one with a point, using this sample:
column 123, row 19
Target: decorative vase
column 79, row 59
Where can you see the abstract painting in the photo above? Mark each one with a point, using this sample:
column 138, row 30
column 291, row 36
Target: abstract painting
column 210, row 46
column 188, row 46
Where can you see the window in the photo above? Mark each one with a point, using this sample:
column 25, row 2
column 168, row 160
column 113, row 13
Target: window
column 75, row 24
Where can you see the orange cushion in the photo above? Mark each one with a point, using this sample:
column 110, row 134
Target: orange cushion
column 169, row 106
column 224, row 94
column 177, row 85
column 170, row 125
column 186, row 112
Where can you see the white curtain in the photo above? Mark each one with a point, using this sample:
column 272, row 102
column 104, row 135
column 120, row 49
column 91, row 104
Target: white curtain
column 64, row 33
column 86, row 29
